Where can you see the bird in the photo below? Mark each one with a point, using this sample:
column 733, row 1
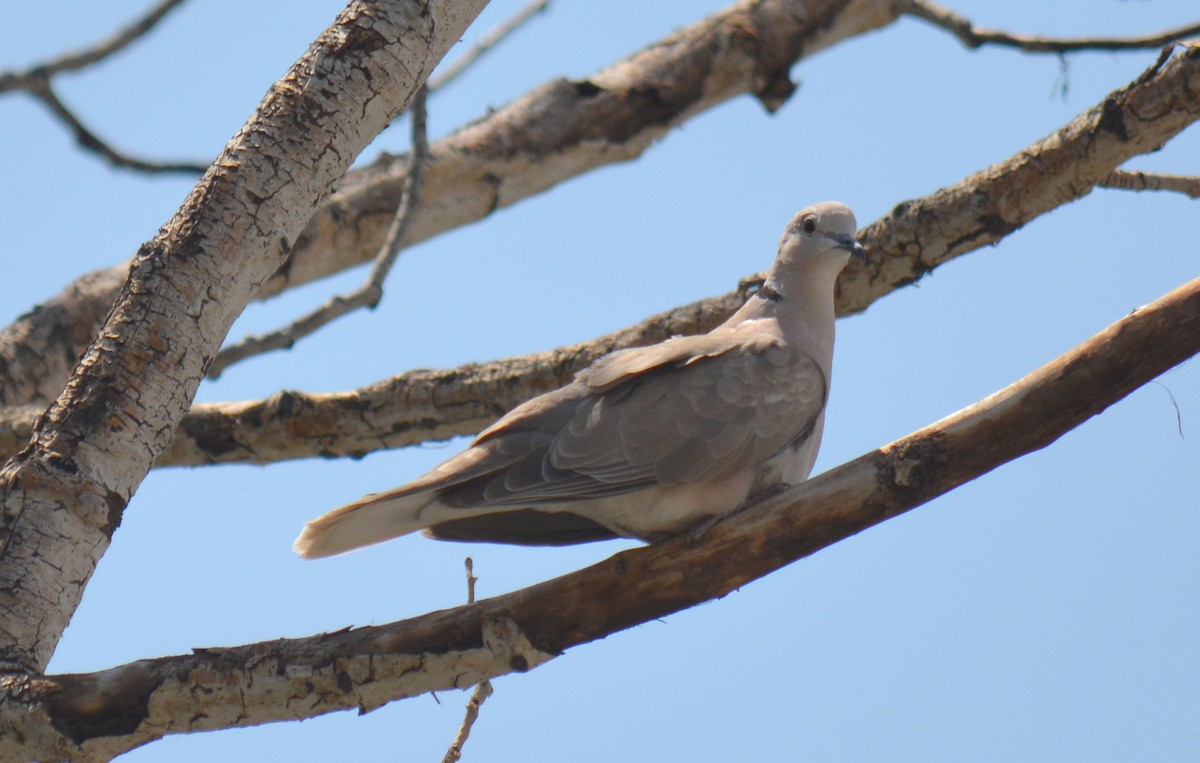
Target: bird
column 649, row 442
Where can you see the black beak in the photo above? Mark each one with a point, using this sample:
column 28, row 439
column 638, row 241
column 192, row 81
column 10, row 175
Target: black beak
column 850, row 244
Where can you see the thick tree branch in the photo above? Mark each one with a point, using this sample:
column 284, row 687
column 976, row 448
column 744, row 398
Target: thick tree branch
column 564, row 128
column 65, row 493
column 559, row 131
column 40, row 348
column 91, row 716
column 975, row 37
column 68, row 62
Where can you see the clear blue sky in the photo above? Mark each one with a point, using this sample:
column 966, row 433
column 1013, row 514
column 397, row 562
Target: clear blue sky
column 1050, row 610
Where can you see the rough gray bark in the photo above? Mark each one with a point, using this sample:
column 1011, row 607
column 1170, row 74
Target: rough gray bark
column 64, row 494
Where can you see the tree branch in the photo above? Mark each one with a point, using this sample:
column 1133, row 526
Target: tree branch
column 90, row 716
column 36, row 80
column 86, row 139
column 64, row 494
column 68, row 62
column 1152, row 181
column 917, row 237
column 367, row 295
column 975, row 37
column 445, row 75
column 556, row 132
column 564, row 128
column 482, row 691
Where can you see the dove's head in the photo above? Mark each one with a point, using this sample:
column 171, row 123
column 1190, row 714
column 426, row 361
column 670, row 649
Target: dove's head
column 815, row 247
column 822, row 233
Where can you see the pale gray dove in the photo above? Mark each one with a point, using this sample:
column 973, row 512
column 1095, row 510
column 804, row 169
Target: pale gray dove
column 648, row 442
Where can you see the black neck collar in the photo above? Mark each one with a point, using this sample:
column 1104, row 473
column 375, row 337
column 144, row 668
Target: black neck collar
column 767, row 292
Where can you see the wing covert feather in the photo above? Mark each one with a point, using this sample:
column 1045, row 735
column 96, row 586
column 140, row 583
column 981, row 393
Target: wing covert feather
column 702, row 412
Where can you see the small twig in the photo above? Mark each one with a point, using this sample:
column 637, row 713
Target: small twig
column 22, row 80
column 367, row 295
column 471, row 580
column 1062, row 85
column 1152, row 181
column 975, row 37
column 36, row 80
column 42, row 90
column 483, row 690
column 485, row 43
column 1178, row 413
column 478, row 697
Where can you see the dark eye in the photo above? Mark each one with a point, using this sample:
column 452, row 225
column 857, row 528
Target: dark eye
column 809, row 225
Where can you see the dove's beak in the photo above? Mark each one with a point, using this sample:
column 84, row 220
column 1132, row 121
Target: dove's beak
column 850, row 244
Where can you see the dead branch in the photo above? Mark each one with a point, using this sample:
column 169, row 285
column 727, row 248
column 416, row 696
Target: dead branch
column 564, row 128
column 482, row 691
column 1152, row 181
column 976, row 37
column 97, row 715
column 558, row 131
column 88, row 140
column 69, row 62
column 36, row 80
column 367, row 295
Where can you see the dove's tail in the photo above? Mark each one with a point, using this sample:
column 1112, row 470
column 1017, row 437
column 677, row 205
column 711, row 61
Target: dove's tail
column 372, row 519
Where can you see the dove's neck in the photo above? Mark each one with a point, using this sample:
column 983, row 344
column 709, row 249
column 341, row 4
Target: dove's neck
column 802, row 305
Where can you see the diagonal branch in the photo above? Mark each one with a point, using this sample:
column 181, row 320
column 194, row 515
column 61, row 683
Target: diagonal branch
column 975, row 37
column 36, row 80
column 564, row 128
column 105, row 713
column 44, row 92
column 367, row 295
column 65, row 493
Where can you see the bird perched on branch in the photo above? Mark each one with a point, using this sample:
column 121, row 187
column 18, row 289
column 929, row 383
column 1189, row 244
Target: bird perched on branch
column 648, row 442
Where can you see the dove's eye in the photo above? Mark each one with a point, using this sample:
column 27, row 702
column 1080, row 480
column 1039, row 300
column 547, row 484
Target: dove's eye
column 809, row 225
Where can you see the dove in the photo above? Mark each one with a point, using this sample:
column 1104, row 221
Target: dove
column 646, row 443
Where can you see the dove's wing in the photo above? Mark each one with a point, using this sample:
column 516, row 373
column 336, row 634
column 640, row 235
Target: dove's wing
column 693, row 410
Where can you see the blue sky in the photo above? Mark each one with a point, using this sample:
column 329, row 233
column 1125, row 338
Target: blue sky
column 1048, row 610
